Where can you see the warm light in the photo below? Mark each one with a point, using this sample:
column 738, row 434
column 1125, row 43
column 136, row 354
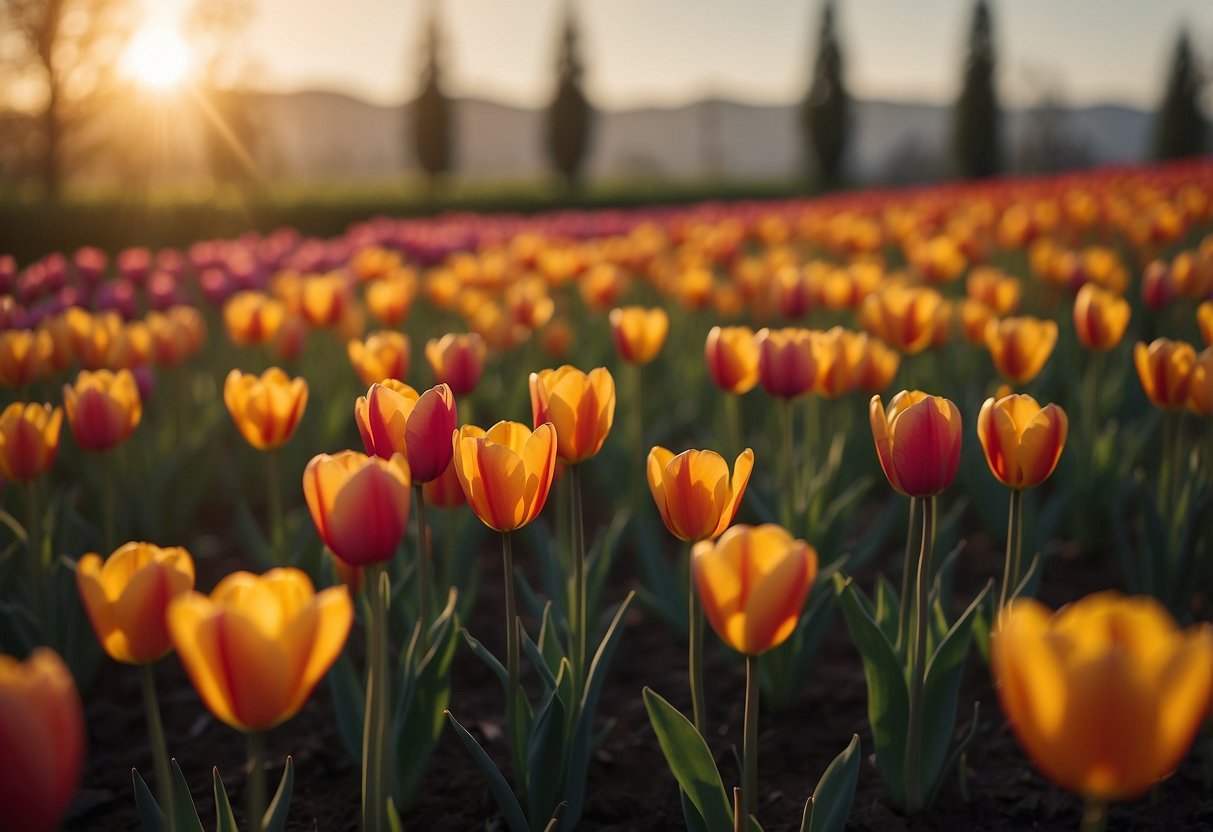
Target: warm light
column 157, row 57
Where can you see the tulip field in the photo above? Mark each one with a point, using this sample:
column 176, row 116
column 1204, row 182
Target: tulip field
column 878, row 510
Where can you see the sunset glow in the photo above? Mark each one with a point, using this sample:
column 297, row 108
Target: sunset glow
column 158, row 57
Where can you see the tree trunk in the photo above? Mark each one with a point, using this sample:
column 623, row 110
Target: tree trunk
column 52, row 172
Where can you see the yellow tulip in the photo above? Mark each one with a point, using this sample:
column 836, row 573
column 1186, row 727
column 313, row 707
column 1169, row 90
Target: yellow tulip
column 1200, row 398
column 732, row 357
column 1107, row 694
column 753, row 582
column 383, row 355
column 266, row 408
column 693, row 491
column 639, row 333
column 1100, row 317
column 128, row 594
column 253, row 317
column 1022, row 441
column 1204, row 318
column 29, row 440
column 506, row 473
column 1020, row 346
column 257, row 646
column 103, row 408
column 580, row 406
column 1165, row 371
column 25, row 356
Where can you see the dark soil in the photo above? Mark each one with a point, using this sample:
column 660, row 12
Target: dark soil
column 630, row 789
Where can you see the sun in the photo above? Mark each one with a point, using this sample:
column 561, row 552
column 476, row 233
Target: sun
column 157, row 57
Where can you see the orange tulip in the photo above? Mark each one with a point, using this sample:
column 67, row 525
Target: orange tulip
column 383, row 355
column 41, row 740
column 1100, row 318
column 103, row 408
column 905, row 317
column 1200, row 399
column 171, row 343
column 1022, row 441
column 995, row 290
column 732, row 357
column 581, row 406
column 128, row 594
column 974, row 317
column 787, row 361
column 25, row 356
column 266, row 408
column 324, row 299
column 556, row 338
column 96, row 340
column 1204, row 318
column 61, row 354
column 1020, row 346
column 393, row 418
column 753, row 582
column 917, row 440
column 1107, row 694
column 639, row 333
column 840, row 356
column 506, row 473
column 29, row 440
column 878, row 366
column 390, row 299
column 457, row 360
column 1165, row 370
column 258, row 645
column 359, row 504
column 694, row 493
column 253, row 317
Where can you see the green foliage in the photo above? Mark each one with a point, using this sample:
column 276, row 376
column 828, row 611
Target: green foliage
column 977, row 140
column 1180, row 128
column 569, row 116
column 185, row 815
column 825, row 113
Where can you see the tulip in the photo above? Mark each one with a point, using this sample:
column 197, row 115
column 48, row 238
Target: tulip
column 25, row 356
column 505, row 473
column 993, row 289
column 393, row 418
column 456, row 360
column 905, row 317
column 1022, row 441
column 383, row 355
column 1100, row 318
column 787, row 361
column 581, row 407
column 1020, row 346
column 694, row 492
column 42, row 740
column 1165, row 370
column 1200, row 399
column 96, row 340
column 253, row 317
column 917, row 441
column 639, row 333
column 257, row 645
column 732, row 358
column 877, row 367
column 1106, row 695
column 324, row 299
column 556, row 338
column 266, row 408
column 359, row 504
column 1204, row 319
column 103, row 408
column 29, row 440
column 390, row 299
column 126, row 597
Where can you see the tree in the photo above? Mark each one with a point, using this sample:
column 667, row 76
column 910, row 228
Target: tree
column 71, row 47
column 825, row 113
column 431, row 109
column 977, row 142
column 570, row 115
column 1180, row 128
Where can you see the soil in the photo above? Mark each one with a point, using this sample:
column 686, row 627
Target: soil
column 630, row 788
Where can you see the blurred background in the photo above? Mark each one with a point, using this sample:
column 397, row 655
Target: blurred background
column 244, row 106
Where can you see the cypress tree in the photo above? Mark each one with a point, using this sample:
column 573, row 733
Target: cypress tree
column 1179, row 127
column 570, row 114
column 825, row 113
column 431, row 120
column 977, row 143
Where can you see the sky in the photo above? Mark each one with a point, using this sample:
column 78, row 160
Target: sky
column 665, row 52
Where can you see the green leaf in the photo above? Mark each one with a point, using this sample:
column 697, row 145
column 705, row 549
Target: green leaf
column 225, row 821
column 888, row 698
column 488, row 658
column 690, row 815
column 151, row 818
column 545, row 752
column 549, row 640
column 830, row 806
column 958, row 752
column 888, row 607
column 538, row 661
column 690, row 761
column 553, row 824
column 394, row 823
column 506, row 801
column 280, row 806
column 349, row 702
column 185, row 816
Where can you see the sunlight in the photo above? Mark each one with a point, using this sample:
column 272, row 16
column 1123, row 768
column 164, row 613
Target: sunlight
column 157, row 57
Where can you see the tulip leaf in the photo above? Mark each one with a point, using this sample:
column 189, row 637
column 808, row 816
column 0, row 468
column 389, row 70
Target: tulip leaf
column 662, row 590
column 583, row 737
column 554, row 822
column 888, row 608
column 538, row 661
column 830, row 805
column 888, row 698
column 394, row 823
column 690, row 761
column 549, row 640
column 545, row 750
column 225, row 821
column 280, row 806
column 482, row 653
column 690, row 815
column 600, row 558
column 151, row 818
column 185, row 816
column 958, row 752
column 500, row 789
column 349, row 702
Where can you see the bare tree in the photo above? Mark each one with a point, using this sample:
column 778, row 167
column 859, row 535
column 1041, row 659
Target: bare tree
column 71, row 48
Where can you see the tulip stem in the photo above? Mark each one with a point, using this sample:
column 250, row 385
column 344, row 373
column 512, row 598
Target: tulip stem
column 695, row 658
column 577, row 611
column 375, row 726
column 108, row 487
column 787, row 463
column 913, row 762
column 423, row 571
column 37, row 558
column 749, row 746
column 1094, row 816
column 907, row 576
column 155, row 736
column 512, row 647
column 274, row 493
column 732, row 423
column 256, row 781
column 1011, row 564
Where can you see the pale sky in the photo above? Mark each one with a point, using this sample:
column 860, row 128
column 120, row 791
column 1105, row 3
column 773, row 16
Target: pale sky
column 673, row 51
